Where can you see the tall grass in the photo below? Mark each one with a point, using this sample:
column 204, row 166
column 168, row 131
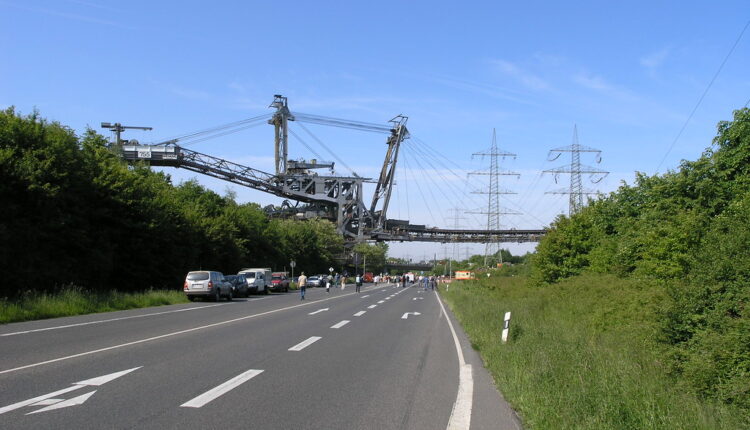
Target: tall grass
column 582, row 354
column 72, row 300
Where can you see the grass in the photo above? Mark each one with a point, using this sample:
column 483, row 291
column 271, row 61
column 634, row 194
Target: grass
column 76, row 301
column 582, row 354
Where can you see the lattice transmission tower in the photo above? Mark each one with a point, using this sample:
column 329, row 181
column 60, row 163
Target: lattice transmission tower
column 576, row 189
column 493, row 192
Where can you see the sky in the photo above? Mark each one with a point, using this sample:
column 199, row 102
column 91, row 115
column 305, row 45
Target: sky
column 628, row 75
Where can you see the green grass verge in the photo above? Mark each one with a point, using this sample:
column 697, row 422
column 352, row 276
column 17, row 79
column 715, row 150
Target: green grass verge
column 75, row 301
column 582, row 354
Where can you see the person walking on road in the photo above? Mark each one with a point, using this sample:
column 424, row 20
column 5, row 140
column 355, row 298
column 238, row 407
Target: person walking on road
column 343, row 282
column 302, row 281
column 358, row 282
column 329, row 279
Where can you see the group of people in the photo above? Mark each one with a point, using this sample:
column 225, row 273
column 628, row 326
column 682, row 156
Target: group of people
column 426, row 282
column 330, row 280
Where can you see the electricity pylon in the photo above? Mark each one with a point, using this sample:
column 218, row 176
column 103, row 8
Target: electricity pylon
column 576, row 189
column 494, row 210
column 456, row 216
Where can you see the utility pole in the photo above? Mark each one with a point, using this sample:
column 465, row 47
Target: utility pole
column 118, row 128
column 576, row 189
column 494, row 210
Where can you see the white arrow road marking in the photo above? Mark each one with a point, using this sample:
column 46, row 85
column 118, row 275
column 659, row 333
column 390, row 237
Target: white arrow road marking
column 75, row 401
column 406, row 315
column 48, row 398
column 372, row 306
column 360, row 313
column 318, row 311
column 304, row 344
column 418, row 298
column 221, row 389
column 48, row 402
column 340, row 324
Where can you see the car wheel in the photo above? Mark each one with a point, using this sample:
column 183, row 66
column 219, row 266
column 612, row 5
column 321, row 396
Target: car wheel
column 217, row 296
column 265, row 290
column 230, row 296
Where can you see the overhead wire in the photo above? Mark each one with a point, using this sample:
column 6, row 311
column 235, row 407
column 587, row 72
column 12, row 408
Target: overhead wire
column 700, row 100
column 193, row 141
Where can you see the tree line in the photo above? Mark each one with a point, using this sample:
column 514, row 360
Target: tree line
column 686, row 232
column 74, row 213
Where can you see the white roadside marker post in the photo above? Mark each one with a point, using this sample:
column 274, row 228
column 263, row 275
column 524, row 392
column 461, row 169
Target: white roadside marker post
column 506, row 327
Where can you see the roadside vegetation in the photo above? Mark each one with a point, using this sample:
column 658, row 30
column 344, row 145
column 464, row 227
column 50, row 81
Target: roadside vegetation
column 584, row 353
column 636, row 311
column 75, row 214
column 69, row 301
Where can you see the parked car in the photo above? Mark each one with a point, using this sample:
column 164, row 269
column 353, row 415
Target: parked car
column 239, row 284
column 314, row 281
column 258, row 280
column 279, row 282
column 207, row 284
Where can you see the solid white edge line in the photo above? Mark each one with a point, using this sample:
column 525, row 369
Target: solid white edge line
column 340, row 324
column 109, row 320
column 305, row 343
column 219, row 390
column 162, row 336
column 460, row 418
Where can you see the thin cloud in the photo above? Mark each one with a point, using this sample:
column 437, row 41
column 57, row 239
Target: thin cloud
column 527, row 79
column 72, row 16
column 654, row 59
column 601, row 85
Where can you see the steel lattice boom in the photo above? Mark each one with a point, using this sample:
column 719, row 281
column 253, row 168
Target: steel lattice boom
column 337, row 198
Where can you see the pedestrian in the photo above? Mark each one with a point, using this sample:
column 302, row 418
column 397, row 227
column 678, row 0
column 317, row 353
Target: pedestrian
column 329, row 279
column 358, row 282
column 403, row 281
column 302, row 281
column 343, row 282
column 425, row 281
column 433, row 281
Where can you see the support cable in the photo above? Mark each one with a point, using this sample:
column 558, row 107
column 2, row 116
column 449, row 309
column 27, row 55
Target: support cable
column 419, row 188
column 218, row 128
column 305, row 144
column 333, row 154
column 213, row 136
column 460, row 195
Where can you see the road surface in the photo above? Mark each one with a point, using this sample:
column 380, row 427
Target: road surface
column 385, row 358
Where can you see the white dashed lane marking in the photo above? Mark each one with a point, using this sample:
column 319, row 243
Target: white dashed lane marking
column 304, row 344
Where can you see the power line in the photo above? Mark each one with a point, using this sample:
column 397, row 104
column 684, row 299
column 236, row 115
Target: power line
column 700, row 100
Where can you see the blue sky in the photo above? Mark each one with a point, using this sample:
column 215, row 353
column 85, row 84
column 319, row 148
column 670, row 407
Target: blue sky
column 627, row 73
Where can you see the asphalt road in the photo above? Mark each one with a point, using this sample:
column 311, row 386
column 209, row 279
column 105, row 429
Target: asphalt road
column 333, row 361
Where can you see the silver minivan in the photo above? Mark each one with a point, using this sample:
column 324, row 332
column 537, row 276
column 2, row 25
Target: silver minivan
column 207, row 284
